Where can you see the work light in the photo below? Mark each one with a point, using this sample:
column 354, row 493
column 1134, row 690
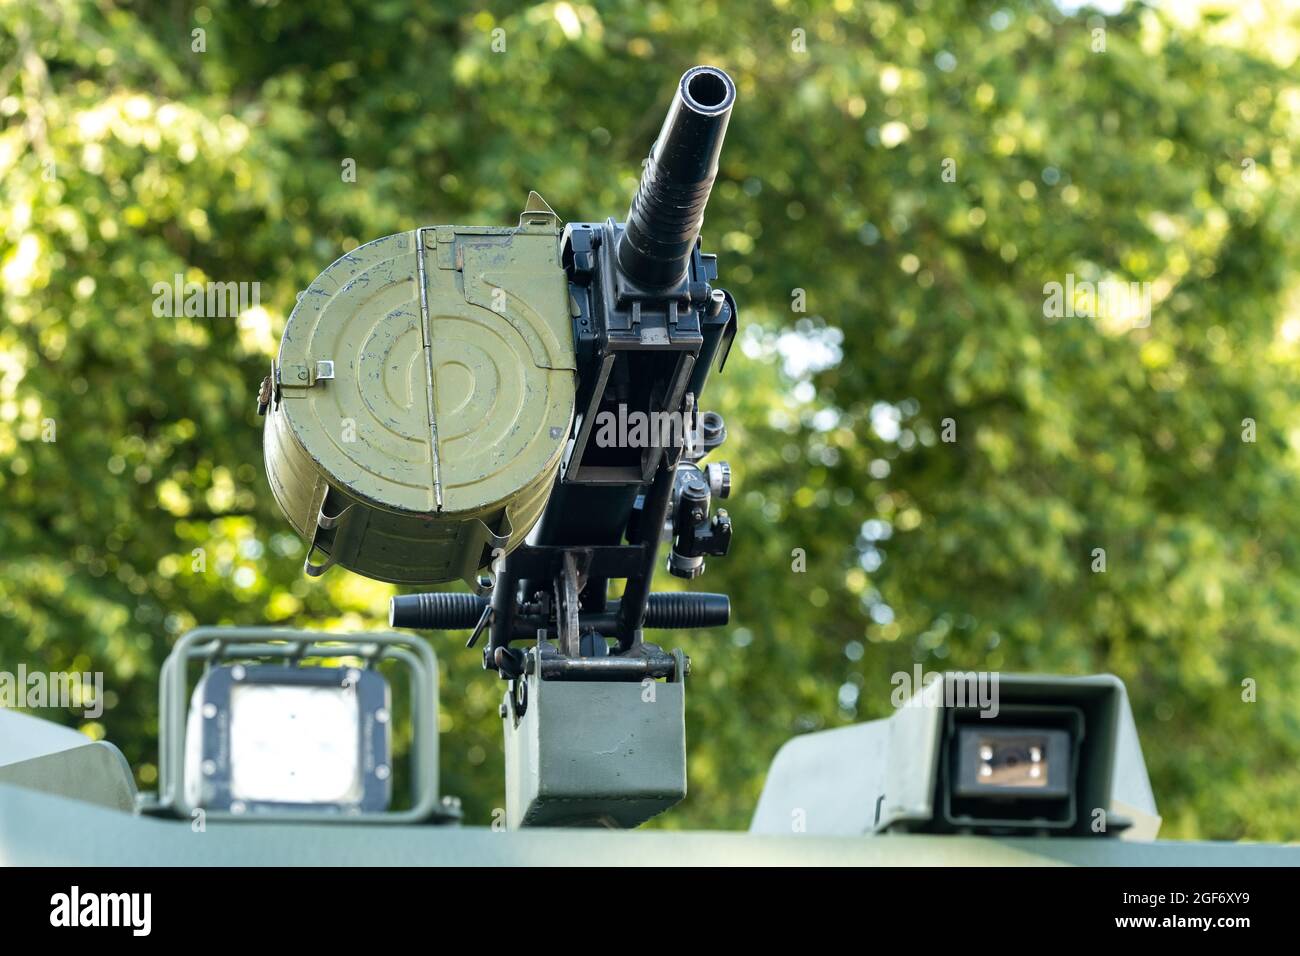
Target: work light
column 286, row 725
column 268, row 737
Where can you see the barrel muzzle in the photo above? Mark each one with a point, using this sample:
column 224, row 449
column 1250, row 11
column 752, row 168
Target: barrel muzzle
column 668, row 209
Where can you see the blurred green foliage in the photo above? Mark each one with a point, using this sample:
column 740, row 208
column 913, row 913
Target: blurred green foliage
column 129, row 155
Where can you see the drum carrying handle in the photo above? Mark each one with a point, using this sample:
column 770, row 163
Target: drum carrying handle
column 325, row 522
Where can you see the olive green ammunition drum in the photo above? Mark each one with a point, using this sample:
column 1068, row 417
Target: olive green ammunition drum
column 422, row 398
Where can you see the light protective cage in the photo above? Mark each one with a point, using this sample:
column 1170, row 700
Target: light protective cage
column 258, row 671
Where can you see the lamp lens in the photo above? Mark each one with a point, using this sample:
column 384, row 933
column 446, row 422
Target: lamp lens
column 295, row 744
